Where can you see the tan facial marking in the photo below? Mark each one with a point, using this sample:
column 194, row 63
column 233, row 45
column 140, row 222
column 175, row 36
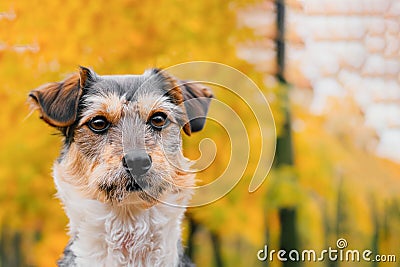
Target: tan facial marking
column 148, row 105
column 77, row 167
column 109, row 106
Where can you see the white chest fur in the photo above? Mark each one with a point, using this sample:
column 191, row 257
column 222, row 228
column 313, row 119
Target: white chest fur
column 107, row 235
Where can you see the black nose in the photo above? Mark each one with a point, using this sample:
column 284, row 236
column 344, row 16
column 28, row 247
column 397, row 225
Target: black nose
column 137, row 162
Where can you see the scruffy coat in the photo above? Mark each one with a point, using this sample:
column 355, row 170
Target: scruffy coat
column 117, row 218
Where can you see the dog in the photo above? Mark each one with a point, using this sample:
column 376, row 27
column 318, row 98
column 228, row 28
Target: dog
column 121, row 175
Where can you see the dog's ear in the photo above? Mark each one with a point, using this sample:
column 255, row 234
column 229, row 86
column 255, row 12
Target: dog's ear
column 58, row 102
column 196, row 97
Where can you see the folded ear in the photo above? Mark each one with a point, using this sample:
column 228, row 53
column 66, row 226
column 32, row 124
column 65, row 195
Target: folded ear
column 58, row 102
column 196, row 97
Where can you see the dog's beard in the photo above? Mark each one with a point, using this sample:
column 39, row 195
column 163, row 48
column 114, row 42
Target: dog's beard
column 119, row 186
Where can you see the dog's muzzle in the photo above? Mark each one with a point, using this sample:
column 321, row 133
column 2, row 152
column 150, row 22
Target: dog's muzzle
column 137, row 162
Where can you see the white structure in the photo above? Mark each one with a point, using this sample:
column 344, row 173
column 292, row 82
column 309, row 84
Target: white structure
column 342, row 48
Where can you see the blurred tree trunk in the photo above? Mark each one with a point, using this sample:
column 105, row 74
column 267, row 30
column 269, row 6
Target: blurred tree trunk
column 375, row 237
column 193, row 226
column 267, row 236
column 215, row 242
column 280, row 39
column 11, row 253
column 288, row 239
column 329, row 231
column 216, row 245
column 2, row 249
column 340, row 215
column 284, row 146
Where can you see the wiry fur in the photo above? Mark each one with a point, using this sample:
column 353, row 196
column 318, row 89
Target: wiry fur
column 120, row 235
column 118, row 218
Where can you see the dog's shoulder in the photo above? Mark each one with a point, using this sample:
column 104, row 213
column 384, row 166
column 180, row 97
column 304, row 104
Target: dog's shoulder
column 184, row 261
column 68, row 259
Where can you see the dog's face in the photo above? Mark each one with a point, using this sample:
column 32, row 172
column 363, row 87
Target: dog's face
column 122, row 133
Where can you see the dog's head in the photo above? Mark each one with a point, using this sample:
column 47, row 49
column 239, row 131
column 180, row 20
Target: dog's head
column 122, row 132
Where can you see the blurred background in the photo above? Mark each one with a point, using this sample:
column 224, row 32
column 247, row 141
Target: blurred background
column 329, row 69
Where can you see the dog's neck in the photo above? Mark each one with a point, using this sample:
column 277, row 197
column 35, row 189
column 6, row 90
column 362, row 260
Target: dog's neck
column 103, row 234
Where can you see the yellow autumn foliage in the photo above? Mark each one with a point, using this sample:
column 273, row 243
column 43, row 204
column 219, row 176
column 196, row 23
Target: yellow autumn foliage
column 337, row 186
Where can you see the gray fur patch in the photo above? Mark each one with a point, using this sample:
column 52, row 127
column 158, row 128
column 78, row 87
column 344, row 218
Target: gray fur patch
column 68, row 259
column 184, row 260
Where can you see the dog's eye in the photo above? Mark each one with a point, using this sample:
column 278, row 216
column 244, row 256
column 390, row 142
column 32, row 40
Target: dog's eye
column 98, row 124
column 159, row 120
